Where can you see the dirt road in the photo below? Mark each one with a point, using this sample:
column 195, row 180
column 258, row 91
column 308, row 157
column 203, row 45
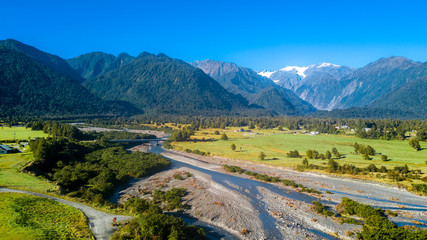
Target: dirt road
column 99, row 222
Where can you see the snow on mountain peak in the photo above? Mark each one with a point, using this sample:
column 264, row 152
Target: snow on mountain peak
column 327, row 65
column 300, row 70
column 266, row 73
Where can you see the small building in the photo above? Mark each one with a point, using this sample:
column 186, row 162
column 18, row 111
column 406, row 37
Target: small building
column 5, row 149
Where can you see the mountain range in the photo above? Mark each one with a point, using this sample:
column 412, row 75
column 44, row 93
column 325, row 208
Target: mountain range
column 101, row 83
column 256, row 89
column 393, row 83
column 29, row 88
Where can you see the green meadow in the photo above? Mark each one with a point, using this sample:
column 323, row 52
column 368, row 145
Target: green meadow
column 19, row 133
column 275, row 144
column 12, row 177
column 24, row 216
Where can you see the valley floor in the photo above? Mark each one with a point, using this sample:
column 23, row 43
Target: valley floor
column 250, row 209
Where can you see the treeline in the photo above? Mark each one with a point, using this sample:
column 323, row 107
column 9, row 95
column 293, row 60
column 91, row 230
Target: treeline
column 376, row 225
column 118, row 135
column 267, row 178
column 90, row 170
column 63, row 130
column 398, row 173
column 364, row 128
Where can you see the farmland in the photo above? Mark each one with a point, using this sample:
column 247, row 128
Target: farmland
column 29, row 217
column 19, row 133
column 276, row 144
column 11, row 177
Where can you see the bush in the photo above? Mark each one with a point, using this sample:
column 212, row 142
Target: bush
column 224, row 137
column 293, row 154
column 321, row 209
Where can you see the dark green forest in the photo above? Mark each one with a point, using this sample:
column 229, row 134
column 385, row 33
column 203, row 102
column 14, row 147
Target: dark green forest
column 31, row 89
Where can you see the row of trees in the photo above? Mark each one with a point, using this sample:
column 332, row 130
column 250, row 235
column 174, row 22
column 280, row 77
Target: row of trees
column 378, row 129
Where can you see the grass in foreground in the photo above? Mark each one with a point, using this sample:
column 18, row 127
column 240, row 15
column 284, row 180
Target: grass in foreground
column 276, row 145
column 11, row 177
column 19, row 133
column 24, row 216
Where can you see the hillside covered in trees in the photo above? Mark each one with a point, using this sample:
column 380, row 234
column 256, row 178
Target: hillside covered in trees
column 28, row 88
column 160, row 84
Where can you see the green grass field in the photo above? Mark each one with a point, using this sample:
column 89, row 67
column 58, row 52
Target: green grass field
column 276, row 145
column 24, row 216
column 11, row 177
column 19, row 133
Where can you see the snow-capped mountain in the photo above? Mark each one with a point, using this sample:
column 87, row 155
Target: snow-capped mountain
column 311, row 83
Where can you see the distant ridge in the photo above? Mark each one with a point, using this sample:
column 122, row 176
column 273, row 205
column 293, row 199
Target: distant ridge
column 54, row 62
column 159, row 84
column 91, row 65
column 29, row 88
column 256, row 89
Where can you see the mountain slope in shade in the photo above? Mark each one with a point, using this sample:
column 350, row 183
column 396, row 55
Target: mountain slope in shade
column 29, row 88
column 412, row 96
column 54, row 62
column 364, row 85
column 160, row 84
column 93, row 64
column 256, row 89
column 312, row 83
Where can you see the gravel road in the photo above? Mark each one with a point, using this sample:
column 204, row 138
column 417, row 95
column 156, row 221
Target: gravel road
column 100, row 222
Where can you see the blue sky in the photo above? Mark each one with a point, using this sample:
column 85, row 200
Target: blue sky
column 257, row 34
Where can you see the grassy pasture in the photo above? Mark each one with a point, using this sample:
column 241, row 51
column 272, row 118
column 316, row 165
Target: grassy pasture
column 21, row 133
column 11, row 177
column 275, row 144
column 24, row 216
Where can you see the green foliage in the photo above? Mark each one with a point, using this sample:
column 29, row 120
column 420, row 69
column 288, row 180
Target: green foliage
column 233, row 168
column 30, row 88
column 384, row 157
column 93, row 179
column 116, row 135
column 178, row 176
column 261, row 156
column 158, row 226
column 197, row 152
column 182, row 135
column 415, row 144
column 233, row 147
column 267, row 178
column 321, row 209
column 293, row 154
column 305, row 162
column 23, row 216
column 171, row 199
column 379, row 227
column 224, row 137
column 422, row 134
column 422, row 187
column 147, row 81
column 363, row 149
column 350, row 207
column 328, row 155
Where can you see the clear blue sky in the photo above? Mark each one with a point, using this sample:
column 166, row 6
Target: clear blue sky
column 260, row 34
